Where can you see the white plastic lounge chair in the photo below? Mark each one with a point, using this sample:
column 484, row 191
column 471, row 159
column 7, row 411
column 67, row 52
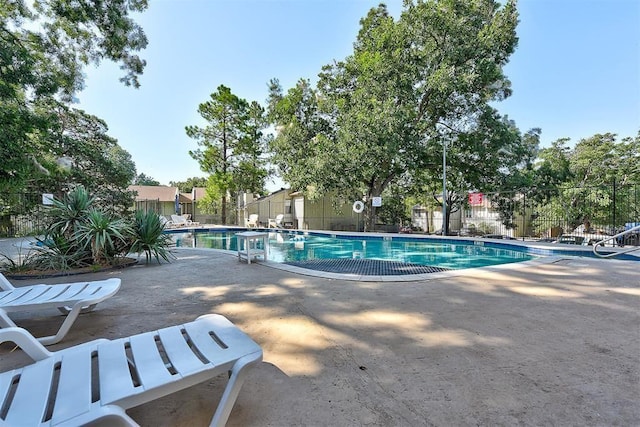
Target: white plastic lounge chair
column 178, row 221
column 70, row 298
column 252, row 221
column 277, row 222
column 100, row 379
column 187, row 217
column 182, row 221
column 165, row 222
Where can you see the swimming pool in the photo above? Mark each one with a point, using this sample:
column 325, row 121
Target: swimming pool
column 382, row 255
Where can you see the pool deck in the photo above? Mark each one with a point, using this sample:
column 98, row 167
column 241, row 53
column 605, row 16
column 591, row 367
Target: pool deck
column 544, row 343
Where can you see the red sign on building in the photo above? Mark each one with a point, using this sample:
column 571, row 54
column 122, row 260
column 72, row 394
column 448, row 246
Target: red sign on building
column 475, row 199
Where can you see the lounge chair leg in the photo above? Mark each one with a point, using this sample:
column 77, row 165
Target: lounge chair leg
column 64, row 328
column 5, row 320
column 236, row 379
column 87, row 309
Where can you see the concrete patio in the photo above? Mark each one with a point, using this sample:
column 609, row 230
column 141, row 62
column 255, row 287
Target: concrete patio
column 548, row 344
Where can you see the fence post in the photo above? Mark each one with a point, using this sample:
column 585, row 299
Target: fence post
column 524, row 213
column 614, row 206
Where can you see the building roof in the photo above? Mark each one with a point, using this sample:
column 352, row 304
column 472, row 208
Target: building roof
column 160, row 192
column 282, row 190
column 198, row 192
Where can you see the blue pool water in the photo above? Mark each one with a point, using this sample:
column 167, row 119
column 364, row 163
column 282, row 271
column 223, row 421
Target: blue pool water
column 294, row 248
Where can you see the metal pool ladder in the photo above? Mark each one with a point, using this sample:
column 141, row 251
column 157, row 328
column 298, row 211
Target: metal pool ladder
column 623, row 233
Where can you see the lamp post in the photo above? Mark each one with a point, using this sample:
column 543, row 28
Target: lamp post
column 445, row 225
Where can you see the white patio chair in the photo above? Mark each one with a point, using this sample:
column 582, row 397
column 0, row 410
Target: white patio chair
column 252, row 221
column 179, row 221
column 165, row 222
column 187, row 217
column 70, row 298
column 182, row 221
column 277, row 222
column 100, row 379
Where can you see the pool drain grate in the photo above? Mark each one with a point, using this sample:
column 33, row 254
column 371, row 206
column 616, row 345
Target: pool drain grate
column 366, row 267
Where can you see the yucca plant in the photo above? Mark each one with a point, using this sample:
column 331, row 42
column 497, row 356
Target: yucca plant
column 102, row 234
column 147, row 235
column 69, row 212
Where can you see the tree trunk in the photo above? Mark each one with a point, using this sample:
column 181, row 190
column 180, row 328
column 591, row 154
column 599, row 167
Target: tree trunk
column 224, row 210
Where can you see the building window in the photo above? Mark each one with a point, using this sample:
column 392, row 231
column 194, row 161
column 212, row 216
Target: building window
column 287, row 206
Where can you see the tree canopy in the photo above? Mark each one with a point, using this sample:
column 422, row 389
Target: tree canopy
column 142, row 179
column 44, row 49
column 187, row 186
column 410, row 86
column 584, row 182
column 231, row 146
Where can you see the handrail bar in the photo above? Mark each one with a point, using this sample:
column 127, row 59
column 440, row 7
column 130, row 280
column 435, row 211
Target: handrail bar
column 615, row 236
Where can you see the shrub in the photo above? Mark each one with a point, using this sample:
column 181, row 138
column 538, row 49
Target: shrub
column 148, row 237
column 100, row 233
column 82, row 235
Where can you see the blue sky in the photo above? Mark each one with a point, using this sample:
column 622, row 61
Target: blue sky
column 575, row 73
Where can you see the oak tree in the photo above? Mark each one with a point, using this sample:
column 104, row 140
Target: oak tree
column 410, row 86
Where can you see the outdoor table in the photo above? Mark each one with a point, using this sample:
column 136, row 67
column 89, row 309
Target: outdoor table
column 248, row 245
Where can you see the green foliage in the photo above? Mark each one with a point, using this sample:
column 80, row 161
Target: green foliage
column 231, row 145
column 189, row 184
column 81, row 233
column 69, row 213
column 103, row 234
column 485, row 228
column 584, row 183
column 396, row 206
column 411, row 85
column 45, row 45
column 211, row 201
column 147, row 236
column 83, row 154
column 303, row 139
column 143, row 179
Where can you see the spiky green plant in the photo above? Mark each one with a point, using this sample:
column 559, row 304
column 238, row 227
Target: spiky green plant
column 69, row 212
column 147, row 235
column 101, row 233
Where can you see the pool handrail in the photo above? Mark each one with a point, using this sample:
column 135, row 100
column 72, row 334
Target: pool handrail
column 615, row 236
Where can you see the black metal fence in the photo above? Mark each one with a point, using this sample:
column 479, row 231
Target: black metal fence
column 528, row 213
column 22, row 214
column 548, row 213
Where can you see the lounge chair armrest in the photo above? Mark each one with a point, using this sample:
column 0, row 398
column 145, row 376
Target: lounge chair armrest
column 27, row 342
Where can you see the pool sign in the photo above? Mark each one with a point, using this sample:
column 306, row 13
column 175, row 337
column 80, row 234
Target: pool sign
column 376, row 202
column 475, row 199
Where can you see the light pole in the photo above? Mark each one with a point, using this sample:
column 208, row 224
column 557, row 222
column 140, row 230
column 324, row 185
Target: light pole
column 445, row 225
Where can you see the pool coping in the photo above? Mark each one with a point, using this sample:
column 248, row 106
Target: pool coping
column 546, row 253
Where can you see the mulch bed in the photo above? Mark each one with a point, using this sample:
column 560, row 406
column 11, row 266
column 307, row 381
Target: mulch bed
column 42, row 274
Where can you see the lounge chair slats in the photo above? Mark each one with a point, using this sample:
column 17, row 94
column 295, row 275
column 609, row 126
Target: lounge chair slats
column 182, row 357
column 22, row 295
column 182, row 221
column 31, row 398
column 59, row 294
column 131, row 371
column 225, row 337
column 74, row 388
column 70, row 298
column 5, row 382
column 150, row 366
column 207, row 346
column 116, row 381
